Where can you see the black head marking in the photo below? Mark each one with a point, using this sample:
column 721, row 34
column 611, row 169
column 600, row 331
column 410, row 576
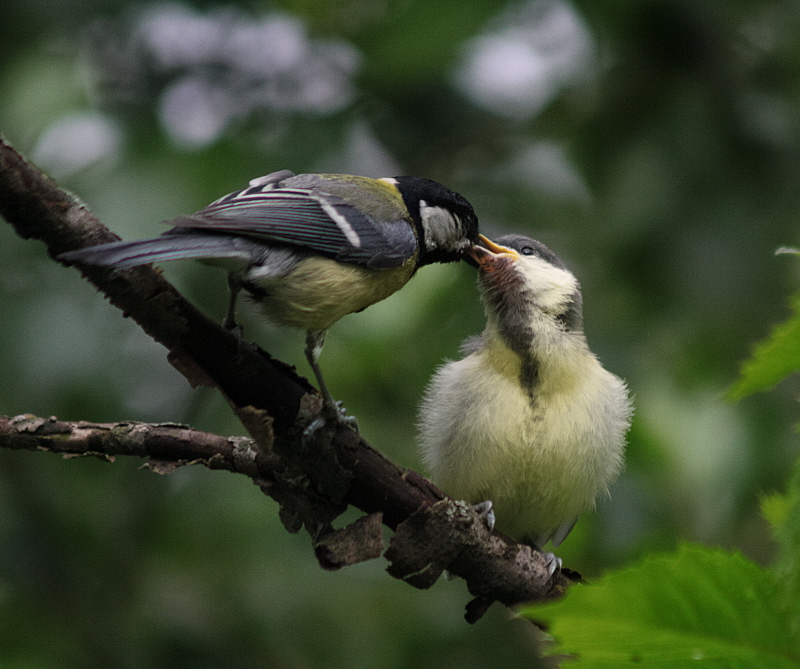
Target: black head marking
column 416, row 190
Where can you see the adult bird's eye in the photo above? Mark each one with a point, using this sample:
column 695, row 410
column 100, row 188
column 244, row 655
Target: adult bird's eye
column 527, row 251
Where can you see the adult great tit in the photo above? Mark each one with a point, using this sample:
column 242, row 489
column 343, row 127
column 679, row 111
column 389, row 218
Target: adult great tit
column 312, row 248
column 528, row 418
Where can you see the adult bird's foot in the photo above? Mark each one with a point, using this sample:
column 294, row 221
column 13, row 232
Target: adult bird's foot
column 236, row 330
column 335, row 413
column 484, row 510
column 230, row 324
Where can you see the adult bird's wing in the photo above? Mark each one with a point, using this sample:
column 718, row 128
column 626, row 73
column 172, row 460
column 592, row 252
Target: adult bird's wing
column 274, row 209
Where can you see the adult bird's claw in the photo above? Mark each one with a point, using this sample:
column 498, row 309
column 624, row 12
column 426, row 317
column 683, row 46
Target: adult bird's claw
column 238, row 332
column 335, row 413
column 340, row 416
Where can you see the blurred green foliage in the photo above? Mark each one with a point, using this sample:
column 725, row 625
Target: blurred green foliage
column 653, row 145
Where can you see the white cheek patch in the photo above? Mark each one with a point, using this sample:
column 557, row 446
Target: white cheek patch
column 551, row 287
column 440, row 225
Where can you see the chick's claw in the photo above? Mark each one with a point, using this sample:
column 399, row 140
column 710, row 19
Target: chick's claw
column 484, row 509
column 552, row 563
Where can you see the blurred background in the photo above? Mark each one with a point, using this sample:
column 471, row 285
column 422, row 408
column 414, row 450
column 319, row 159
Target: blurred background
column 655, row 146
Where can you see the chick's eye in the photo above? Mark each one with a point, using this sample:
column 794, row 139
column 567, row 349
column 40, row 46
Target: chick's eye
column 527, row 251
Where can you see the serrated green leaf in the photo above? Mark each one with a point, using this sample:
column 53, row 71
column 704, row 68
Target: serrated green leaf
column 773, row 360
column 786, row 525
column 675, row 609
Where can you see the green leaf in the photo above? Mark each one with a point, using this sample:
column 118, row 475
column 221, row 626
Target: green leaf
column 773, row 360
column 672, row 610
column 783, row 513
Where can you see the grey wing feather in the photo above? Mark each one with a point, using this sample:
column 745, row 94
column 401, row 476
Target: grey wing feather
column 273, row 179
column 321, row 222
column 290, row 218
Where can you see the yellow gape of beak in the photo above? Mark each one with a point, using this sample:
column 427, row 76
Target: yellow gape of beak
column 487, row 255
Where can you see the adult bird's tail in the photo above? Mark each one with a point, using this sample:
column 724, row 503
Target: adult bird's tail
column 175, row 245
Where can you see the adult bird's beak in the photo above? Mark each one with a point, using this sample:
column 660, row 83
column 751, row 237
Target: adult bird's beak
column 487, row 256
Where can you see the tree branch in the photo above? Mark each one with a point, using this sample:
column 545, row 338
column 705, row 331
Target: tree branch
column 313, row 482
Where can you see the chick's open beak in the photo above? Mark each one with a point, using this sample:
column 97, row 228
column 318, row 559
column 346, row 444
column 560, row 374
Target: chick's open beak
column 488, row 255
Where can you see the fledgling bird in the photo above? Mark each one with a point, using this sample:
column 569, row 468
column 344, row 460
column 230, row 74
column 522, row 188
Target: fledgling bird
column 312, row 248
column 528, row 419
